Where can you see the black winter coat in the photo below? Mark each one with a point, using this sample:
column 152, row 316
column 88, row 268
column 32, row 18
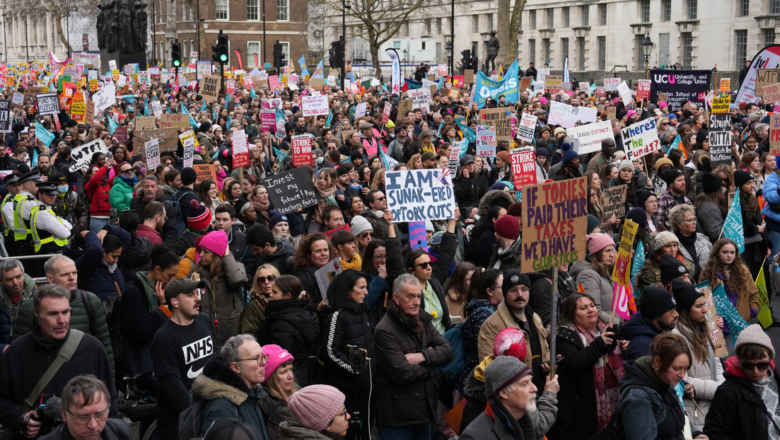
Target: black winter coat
column 139, row 323
column 348, row 326
column 289, row 325
column 737, row 410
column 408, row 394
column 468, row 191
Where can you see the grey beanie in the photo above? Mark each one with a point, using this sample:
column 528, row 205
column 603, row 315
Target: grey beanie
column 502, row 372
column 753, row 334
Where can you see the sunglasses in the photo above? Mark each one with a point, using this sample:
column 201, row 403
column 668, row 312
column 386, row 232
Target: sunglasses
column 367, row 235
column 750, row 366
column 424, row 265
column 128, row 171
column 268, row 279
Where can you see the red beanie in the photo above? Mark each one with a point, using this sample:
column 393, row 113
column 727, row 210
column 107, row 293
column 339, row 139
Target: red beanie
column 508, row 227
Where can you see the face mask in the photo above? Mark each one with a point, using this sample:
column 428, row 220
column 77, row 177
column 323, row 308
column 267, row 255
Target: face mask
column 319, row 160
column 62, row 189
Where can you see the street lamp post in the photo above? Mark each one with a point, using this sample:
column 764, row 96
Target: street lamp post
column 343, row 73
column 448, row 50
column 647, row 49
column 452, row 35
column 154, row 32
column 264, row 47
column 5, row 40
column 26, row 40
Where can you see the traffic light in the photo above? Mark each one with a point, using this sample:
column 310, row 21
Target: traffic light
column 336, row 54
column 279, row 60
column 466, row 60
column 176, row 53
column 220, row 49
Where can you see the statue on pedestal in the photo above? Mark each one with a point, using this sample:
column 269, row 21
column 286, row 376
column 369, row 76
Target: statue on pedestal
column 492, row 52
column 122, row 26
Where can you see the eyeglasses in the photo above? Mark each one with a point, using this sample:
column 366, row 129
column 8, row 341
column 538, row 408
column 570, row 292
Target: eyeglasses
column 83, row 419
column 269, row 278
column 127, row 171
column 261, row 360
column 366, row 235
column 750, row 366
column 692, row 220
column 424, row 265
column 380, row 257
column 378, row 199
column 342, row 413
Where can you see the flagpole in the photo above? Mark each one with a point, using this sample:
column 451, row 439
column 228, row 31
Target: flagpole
column 553, row 320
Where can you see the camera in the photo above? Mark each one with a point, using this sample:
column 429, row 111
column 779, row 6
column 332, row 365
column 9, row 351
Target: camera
column 357, row 355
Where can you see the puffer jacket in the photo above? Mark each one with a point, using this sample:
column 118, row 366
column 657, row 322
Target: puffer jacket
column 289, row 325
column 276, row 412
column 600, row 289
column 640, row 332
column 136, row 257
column 120, row 196
column 772, row 198
column 7, row 314
column 294, row 431
column 72, row 208
column 86, row 314
column 228, row 396
column 98, row 189
column 280, row 259
column 348, row 326
column 222, row 300
column 705, row 376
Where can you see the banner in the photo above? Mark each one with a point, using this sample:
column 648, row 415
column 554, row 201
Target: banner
column 523, row 167
column 641, row 139
column 725, row 309
column 397, row 78
column 587, row 138
column 554, row 224
column 486, row 141
column 680, row 86
column 733, row 227
column 418, row 195
column 42, row 134
column 488, row 88
column 766, row 58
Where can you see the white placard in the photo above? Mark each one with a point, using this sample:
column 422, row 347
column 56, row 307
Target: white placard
column 625, row 93
column 420, row 98
column 315, row 105
column 611, row 84
column 587, row 138
column 486, row 141
column 152, row 152
column 538, row 87
column 82, row 156
column 188, row 140
column 567, row 116
column 156, row 109
column 452, row 165
column 360, row 110
column 641, row 139
column 418, row 195
column 105, row 98
column 526, row 128
column 541, row 74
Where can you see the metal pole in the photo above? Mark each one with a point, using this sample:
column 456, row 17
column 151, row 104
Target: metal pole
column 343, row 44
column 154, row 32
column 452, row 35
column 26, row 40
column 197, row 28
column 265, row 48
column 553, row 320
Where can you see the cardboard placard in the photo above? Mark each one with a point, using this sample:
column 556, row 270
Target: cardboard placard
column 17, row 100
column 170, row 120
column 614, row 202
column 209, row 88
column 500, row 118
column 90, row 115
column 525, row 82
column 714, row 332
column 48, row 103
column 205, row 171
column 553, row 82
column 121, row 134
column 292, row 190
column 468, row 76
column 404, row 107
column 554, row 224
column 418, row 195
column 765, row 77
column 145, row 123
column 168, row 139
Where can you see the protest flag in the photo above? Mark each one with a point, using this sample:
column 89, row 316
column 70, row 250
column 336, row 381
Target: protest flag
column 636, row 267
column 765, row 314
column 732, row 227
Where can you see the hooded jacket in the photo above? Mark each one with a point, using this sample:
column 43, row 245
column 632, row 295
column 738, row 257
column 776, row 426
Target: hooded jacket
column 7, row 313
column 98, row 189
column 289, row 325
column 737, row 410
column 121, row 194
column 280, row 259
column 94, row 275
column 294, row 431
column 504, row 259
column 228, row 396
column 640, row 332
column 222, row 300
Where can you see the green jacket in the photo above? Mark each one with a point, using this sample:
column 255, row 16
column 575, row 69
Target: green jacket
column 93, row 322
column 120, row 196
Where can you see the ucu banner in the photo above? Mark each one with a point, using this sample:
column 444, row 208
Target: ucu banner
column 679, row 86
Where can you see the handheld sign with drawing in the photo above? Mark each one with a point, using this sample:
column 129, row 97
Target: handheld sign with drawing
column 82, row 156
column 486, row 141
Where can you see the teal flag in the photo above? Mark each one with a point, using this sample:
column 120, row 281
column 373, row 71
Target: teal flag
column 279, row 154
column 732, row 227
column 733, row 319
column 330, row 118
column 636, row 267
column 146, row 106
column 112, row 125
column 184, row 111
column 675, row 144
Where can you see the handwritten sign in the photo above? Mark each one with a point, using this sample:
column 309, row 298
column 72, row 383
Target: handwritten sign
column 302, row 150
column 621, row 271
column 615, row 201
column 48, row 103
column 568, row 116
column 527, row 127
column 156, row 109
column 774, row 135
column 611, row 84
column 720, row 139
column 168, row 139
column 765, row 77
column 205, row 171
column 523, row 167
column 587, row 138
column 772, row 93
column 315, row 105
column 188, row 141
column 145, row 123
column 210, row 88
column 418, row 195
column 175, row 121
column 500, row 119
column 641, row 139
column 292, row 190
column 713, row 331
column 486, row 141
column 17, row 100
column 553, row 83
column 240, row 149
column 554, row 224
column 152, row 153
column 327, row 273
column 82, row 156
column 725, row 84
column 420, row 98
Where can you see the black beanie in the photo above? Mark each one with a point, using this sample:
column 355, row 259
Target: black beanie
column 655, row 302
column 701, row 136
column 685, row 294
column 512, row 278
column 711, row 182
column 671, row 268
column 188, row 176
column 641, row 197
column 671, row 175
column 741, row 178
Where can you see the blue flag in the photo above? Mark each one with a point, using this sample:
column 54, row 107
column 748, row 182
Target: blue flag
column 146, row 106
column 441, row 84
column 639, row 262
column 214, row 114
column 279, row 154
column 675, row 144
column 330, row 118
column 184, row 111
column 35, row 157
column 252, row 93
column 302, row 62
column 468, row 133
column 732, row 227
column 112, row 125
column 203, row 107
column 509, row 86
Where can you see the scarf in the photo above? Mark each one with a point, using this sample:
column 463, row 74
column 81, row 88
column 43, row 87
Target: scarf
column 111, row 268
column 149, row 290
column 495, row 410
column 767, row 389
column 354, row 263
column 607, row 380
column 328, row 199
column 414, row 322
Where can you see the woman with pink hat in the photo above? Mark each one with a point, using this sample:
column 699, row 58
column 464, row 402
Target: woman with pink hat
column 596, row 278
column 224, row 277
column 280, row 385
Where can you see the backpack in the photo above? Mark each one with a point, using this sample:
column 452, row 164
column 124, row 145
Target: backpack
column 189, row 419
column 456, row 366
column 181, row 225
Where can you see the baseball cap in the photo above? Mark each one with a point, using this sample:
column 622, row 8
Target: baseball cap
column 181, row 285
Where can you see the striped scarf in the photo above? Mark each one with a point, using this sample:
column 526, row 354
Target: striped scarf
column 607, row 380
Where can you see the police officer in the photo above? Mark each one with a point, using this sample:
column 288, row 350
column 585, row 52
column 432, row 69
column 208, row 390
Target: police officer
column 69, row 206
column 23, row 204
column 49, row 232
column 7, row 212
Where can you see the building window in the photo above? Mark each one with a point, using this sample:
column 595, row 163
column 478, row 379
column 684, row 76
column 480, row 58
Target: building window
column 566, row 17
column 283, row 11
column 252, row 48
column 602, row 53
column 184, row 53
column 564, row 48
column 286, row 50
column 585, row 12
column 769, row 36
column 550, row 18
column 252, row 8
column 532, row 19
column 581, row 50
column 693, row 6
column 532, row 51
column 427, row 25
column 741, row 47
column 687, row 49
column 774, row 6
column 603, row 15
column 474, row 24
column 744, row 8
column 193, row 48
column 221, row 9
column 667, row 10
column 490, row 22
column 645, row 11
column 640, row 58
column 546, row 50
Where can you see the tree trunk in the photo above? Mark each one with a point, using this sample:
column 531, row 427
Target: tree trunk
column 58, row 19
column 374, row 48
column 508, row 29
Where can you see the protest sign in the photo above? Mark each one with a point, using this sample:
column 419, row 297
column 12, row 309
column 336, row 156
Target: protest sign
column 486, row 141
column 527, row 128
column 774, row 135
column 42, row 134
column 327, row 273
column 500, row 118
column 292, row 190
column 17, row 100
column 468, row 76
column 344, row 227
column 554, row 224
column 766, row 77
column 679, row 86
column 420, row 98
column 168, row 139
column 641, row 139
column 541, row 74
column 404, row 107
column 611, row 84
column 240, row 149
column 386, row 110
column 48, row 103
column 643, row 89
column 105, row 98
column 711, row 318
column 418, row 238
column 209, row 88
column 156, row 109
column 721, row 104
column 614, row 202
column 121, row 134
column 82, row 156
column 144, row 123
column 725, row 85
column 268, row 120
column 538, row 87
column 202, row 68
column 525, row 82
column 5, row 117
column 172, row 120
column 90, row 115
column 553, row 83
column 152, row 153
column 315, row 105
column 587, row 138
column 523, row 167
column 302, row 150
column 567, row 116
column 621, row 270
column 205, row 171
column 720, row 139
column 452, row 165
column 360, row 110
column 417, row 195
column 601, row 91
column 188, row 141
column 772, row 93
column 625, row 93
column 78, row 111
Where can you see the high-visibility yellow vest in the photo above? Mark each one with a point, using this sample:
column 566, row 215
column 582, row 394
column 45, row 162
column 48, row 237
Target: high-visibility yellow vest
column 37, row 241
column 21, row 228
column 6, row 199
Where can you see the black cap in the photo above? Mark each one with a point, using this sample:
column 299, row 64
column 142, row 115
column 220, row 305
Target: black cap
column 685, row 294
column 512, row 278
column 671, row 268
